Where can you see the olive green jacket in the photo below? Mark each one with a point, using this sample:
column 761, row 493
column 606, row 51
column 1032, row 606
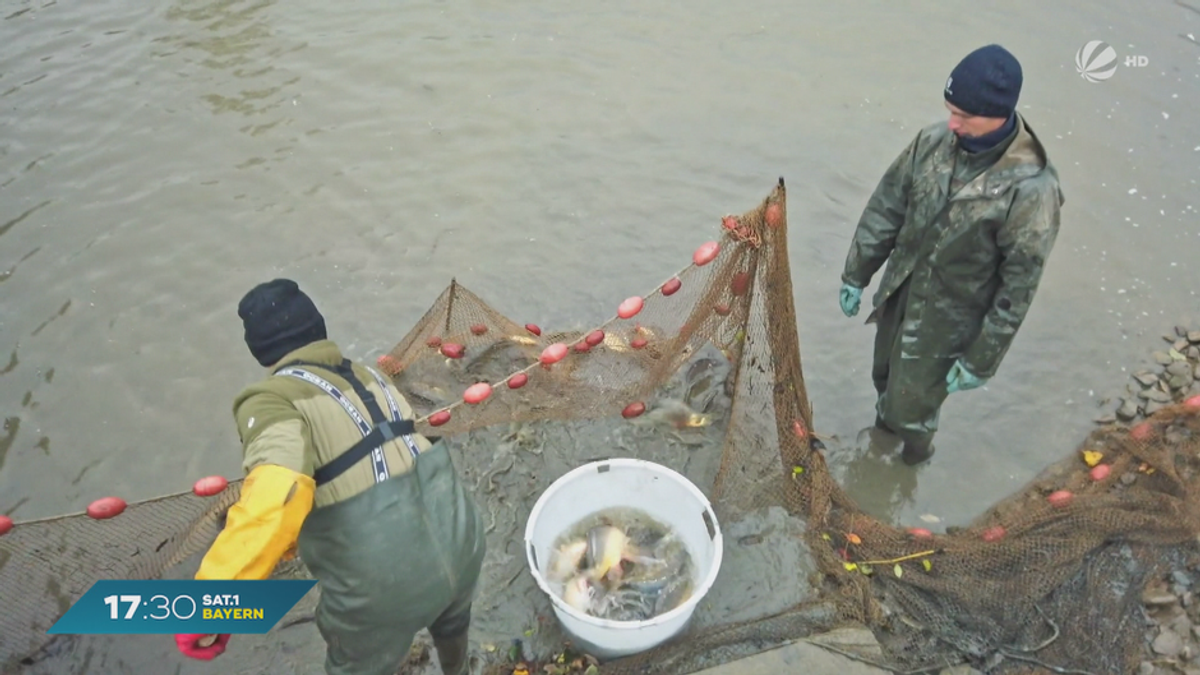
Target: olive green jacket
column 289, row 422
column 972, row 232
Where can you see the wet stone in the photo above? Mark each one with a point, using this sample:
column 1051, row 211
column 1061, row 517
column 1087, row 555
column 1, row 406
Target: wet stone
column 1153, row 407
column 1146, row 379
column 1182, row 578
column 1128, row 478
column 1179, row 368
column 1106, row 418
column 1128, row 410
column 1193, row 336
column 1182, row 625
column 1196, row 374
column 1179, row 381
column 1162, row 358
column 1168, row 643
column 1155, row 394
column 1180, row 345
column 1146, row 668
column 1180, row 331
column 1157, row 598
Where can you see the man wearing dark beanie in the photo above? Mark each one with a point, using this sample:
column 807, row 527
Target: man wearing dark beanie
column 965, row 219
column 336, row 473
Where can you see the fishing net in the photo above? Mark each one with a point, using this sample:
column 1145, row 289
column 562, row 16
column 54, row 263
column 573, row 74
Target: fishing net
column 1050, row 577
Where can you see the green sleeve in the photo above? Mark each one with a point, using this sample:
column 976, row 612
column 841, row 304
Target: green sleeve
column 272, row 431
column 1025, row 241
column 881, row 220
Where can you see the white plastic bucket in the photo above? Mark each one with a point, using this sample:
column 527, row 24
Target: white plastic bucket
column 662, row 493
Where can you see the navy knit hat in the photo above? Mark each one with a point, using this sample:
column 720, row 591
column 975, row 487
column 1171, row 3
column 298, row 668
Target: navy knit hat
column 987, row 82
column 279, row 318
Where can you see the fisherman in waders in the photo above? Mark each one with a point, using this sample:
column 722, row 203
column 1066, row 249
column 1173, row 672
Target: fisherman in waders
column 965, row 217
column 334, row 467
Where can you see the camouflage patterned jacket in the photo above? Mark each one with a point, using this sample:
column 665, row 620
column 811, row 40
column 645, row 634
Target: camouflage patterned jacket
column 975, row 252
column 292, row 423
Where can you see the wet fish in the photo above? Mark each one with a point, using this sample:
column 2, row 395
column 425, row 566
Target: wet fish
column 607, row 546
column 565, row 560
column 677, row 414
column 580, row 594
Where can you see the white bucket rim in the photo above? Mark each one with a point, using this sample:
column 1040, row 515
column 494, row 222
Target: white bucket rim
column 625, row 462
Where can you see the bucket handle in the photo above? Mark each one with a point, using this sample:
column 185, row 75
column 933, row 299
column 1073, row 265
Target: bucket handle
column 708, row 523
column 533, row 557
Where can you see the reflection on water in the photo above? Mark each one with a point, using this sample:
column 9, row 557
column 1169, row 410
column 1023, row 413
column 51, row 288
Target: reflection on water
column 235, row 38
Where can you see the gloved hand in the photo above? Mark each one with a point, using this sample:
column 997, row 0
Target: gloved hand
column 850, row 297
column 961, row 379
column 193, row 645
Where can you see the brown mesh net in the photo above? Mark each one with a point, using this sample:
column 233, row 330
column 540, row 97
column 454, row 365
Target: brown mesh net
column 1048, row 578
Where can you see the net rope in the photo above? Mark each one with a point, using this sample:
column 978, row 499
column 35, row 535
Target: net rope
column 1033, row 582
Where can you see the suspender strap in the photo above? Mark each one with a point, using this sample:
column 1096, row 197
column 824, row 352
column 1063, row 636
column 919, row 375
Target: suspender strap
column 375, row 437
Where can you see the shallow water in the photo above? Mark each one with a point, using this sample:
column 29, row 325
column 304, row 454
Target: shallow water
column 158, row 160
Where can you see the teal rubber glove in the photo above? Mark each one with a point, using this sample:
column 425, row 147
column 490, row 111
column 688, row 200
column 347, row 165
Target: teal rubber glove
column 961, row 379
column 850, row 297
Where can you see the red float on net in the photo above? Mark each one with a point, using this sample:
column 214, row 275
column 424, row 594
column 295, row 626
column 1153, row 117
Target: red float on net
column 638, row 343
column 476, row 393
column 672, row 286
column 517, row 381
column 633, row 410
column 594, row 338
column 6, row 525
column 774, row 215
column 1060, row 498
column 740, row 284
column 209, row 486
column 533, row 328
column 1141, row 431
column 553, row 354
column 453, row 350
column 479, row 328
column 1100, row 472
column 106, row 507
column 630, row 307
column 433, row 342
column 439, row 418
column 706, row 253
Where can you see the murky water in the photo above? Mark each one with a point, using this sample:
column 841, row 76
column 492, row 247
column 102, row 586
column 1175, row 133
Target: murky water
column 159, row 160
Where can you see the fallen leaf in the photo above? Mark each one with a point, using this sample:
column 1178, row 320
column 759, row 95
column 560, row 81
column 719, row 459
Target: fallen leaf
column 926, row 564
column 1174, row 353
column 853, row 538
column 797, row 470
column 850, row 567
column 930, row 518
column 1092, row 458
column 866, row 569
column 825, row 536
column 897, row 570
column 489, row 647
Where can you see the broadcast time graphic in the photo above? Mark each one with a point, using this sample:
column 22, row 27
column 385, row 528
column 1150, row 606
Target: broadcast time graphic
column 166, row 607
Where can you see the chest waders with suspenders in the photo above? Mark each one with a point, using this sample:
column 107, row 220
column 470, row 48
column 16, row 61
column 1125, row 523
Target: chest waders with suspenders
column 375, row 435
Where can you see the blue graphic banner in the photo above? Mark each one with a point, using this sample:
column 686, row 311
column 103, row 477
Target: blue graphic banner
column 168, row 606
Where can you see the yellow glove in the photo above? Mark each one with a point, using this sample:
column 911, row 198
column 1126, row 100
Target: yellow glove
column 262, row 526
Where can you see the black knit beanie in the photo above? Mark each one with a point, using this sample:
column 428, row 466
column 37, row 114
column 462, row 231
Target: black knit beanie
column 987, row 82
column 279, row 318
